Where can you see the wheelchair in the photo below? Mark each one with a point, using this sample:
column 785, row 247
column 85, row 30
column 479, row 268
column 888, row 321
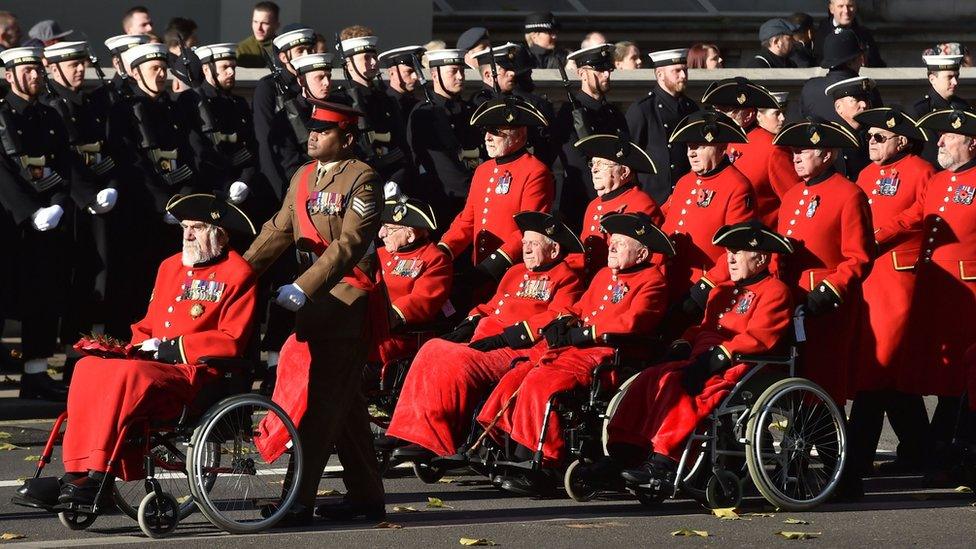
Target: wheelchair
column 203, row 461
column 781, row 432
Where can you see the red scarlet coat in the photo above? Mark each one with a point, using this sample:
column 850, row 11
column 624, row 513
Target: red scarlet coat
column 769, row 168
column 499, row 190
column 830, row 219
column 656, row 413
column 418, row 282
column 626, row 199
column 199, row 311
column 698, row 207
column 945, row 287
column 891, row 189
column 626, row 303
column 448, row 380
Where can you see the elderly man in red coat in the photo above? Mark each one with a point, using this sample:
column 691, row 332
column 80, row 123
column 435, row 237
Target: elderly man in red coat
column 202, row 306
column 664, row 404
column 768, row 168
column 893, row 182
column 450, row 375
column 615, row 163
column 417, row 275
column 628, row 297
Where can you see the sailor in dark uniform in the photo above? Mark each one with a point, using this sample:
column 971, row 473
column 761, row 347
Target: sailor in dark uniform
column 943, row 71
column 121, row 83
column 403, row 85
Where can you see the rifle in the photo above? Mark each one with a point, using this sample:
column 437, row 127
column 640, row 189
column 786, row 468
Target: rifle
column 285, row 100
column 113, row 94
column 364, row 139
column 419, row 69
column 580, row 122
column 195, row 80
column 494, row 67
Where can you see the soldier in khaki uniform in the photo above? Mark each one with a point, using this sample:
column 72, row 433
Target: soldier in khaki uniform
column 331, row 213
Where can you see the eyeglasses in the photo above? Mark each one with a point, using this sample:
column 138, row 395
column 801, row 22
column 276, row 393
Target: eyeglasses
column 600, row 166
column 499, row 131
column 877, row 138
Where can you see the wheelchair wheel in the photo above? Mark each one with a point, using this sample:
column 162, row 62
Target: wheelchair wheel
column 724, row 490
column 575, row 485
column 612, row 408
column 241, row 492
column 159, row 514
column 73, row 520
column 171, row 474
column 796, row 444
column 427, row 473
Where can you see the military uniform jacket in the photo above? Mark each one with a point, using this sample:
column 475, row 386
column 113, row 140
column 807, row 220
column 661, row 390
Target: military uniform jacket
column 813, row 102
column 388, row 133
column 700, row 205
column 629, row 302
column 418, row 281
column 141, row 168
column 198, row 311
column 264, row 107
column 406, row 101
column 343, row 205
column 626, row 199
column 528, row 300
column 769, row 168
column 769, row 60
column 929, row 102
column 43, row 140
column 651, row 121
column 445, row 146
column 500, row 188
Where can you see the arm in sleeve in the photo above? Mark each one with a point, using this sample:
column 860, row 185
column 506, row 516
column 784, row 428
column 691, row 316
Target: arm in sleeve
column 276, row 233
column 909, row 220
column 15, row 196
column 856, row 246
column 142, row 330
column 765, row 327
column 461, row 232
column 429, row 292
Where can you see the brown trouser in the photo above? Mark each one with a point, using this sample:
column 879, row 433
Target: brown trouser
column 337, row 416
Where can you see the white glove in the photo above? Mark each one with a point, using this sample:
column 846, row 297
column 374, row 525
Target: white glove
column 150, row 345
column 238, row 192
column 168, row 218
column 104, row 201
column 45, row 219
column 291, row 297
column 390, row 190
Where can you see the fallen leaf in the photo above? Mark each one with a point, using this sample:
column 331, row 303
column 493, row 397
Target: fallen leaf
column 390, row 525
column 690, row 533
column 964, row 489
column 405, row 509
column 437, row 503
column 328, row 493
column 7, row 536
column 8, row 446
column 586, row 525
column 727, row 513
column 4, row 434
column 183, row 499
column 795, row 521
column 780, row 425
column 32, row 458
column 477, row 541
column 762, row 515
column 799, row 535
column 448, row 480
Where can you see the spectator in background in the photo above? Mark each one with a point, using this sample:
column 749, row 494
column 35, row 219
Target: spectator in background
column 705, row 56
column 320, row 46
column 264, row 28
column 776, row 38
column 626, row 56
column 540, row 35
column 137, row 21
column 472, row 41
column 180, row 27
column 802, row 53
column 46, row 33
column 9, row 31
column 843, row 15
column 949, row 48
column 593, row 38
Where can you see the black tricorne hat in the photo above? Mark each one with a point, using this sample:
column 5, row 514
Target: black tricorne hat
column 893, row 119
column 709, row 127
column 815, row 134
column 509, row 110
column 409, row 212
column 639, row 226
column 617, row 149
column 739, row 92
column 753, row 236
column 210, row 209
column 950, row 121
column 551, row 227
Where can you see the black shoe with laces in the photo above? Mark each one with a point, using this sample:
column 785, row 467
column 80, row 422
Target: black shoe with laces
column 41, row 386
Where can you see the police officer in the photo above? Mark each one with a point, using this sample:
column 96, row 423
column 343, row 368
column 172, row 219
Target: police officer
column 653, row 119
column 386, row 140
column 35, row 187
column 943, row 74
column 851, row 97
column 84, row 115
column 446, row 147
column 540, row 35
column 400, row 68
column 589, row 113
column 332, row 213
column 272, row 92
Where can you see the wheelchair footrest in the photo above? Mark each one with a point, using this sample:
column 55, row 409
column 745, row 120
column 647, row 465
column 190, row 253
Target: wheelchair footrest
column 34, row 504
column 527, row 464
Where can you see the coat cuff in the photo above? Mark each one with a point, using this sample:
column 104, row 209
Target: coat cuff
column 518, row 336
column 446, row 249
column 172, row 352
column 496, row 264
column 831, row 289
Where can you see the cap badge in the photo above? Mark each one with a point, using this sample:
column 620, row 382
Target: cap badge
column 551, row 230
column 741, row 98
column 640, row 231
column 956, row 122
column 215, row 215
column 754, row 242
column 890, row 122
column 510, row 116
column 399, row 212
column 709, row 137
column 815, row 138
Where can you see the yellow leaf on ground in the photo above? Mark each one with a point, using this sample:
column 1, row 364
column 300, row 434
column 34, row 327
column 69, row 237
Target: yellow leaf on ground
column 477, row 541
column 762, row 515
column 4, row 434
column 32, row 458
column 7, row 446
column 799, row 535
column 690, row 533
column 405, row 509
column 437, row 503
column 727, row 513
column 448, row 480
column 328, row 493
column 795, row 521
column 964, row 489
column 389, row 525
column 7, row 536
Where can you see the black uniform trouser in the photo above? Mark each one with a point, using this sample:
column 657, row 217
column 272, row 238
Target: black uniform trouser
column 42, row 276
column 279, row 322
column 908, row 418
column 945, row 419
column 89, row 255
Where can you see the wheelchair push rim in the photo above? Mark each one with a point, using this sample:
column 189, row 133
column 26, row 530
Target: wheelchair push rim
column 241, row 492
column 797, row 444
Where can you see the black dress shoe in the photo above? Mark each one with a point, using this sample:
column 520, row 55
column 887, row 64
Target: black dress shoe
column 39, row 492
column 297, row 515
column 657, row 472
column 603, row 473
column 41, row 386
column 898, row 467
column 389, row 443
column 413, row 452
column 82, row 491
column 344, row 510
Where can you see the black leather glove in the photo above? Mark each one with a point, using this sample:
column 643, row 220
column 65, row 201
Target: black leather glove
column 821, row 300
column 490, row 343
column 556, row 331
column 703, row 367
column 518, row 336
column 463, row 332
column 680, row 350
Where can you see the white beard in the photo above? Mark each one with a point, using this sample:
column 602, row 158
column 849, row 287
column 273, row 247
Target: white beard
column 193, row 254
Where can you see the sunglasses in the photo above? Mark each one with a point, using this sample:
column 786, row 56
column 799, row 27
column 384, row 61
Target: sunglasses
column 877, row 138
